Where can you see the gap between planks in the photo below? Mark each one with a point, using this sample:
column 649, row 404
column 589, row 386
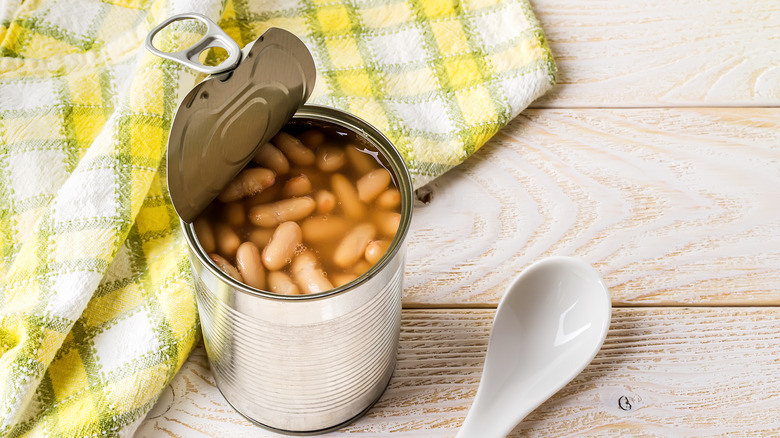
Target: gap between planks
column 671, row 206
column 489, row 306
column 661, row 372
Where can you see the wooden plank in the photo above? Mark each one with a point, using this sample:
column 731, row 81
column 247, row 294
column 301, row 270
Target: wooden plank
column 661, row 372
column 672, row 206
column 663, row 52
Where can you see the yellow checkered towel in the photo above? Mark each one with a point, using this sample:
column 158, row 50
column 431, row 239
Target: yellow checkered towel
column 97, row 309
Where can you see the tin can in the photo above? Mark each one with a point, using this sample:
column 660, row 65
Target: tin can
column 301, row 364
column 306, row 364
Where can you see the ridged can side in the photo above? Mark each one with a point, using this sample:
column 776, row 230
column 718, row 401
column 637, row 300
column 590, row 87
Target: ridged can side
column 321, row 367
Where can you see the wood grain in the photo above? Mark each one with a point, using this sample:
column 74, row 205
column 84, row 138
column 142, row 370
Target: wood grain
column 629, row 164
column 672, row 206
column 662, row 52
column 661, row 372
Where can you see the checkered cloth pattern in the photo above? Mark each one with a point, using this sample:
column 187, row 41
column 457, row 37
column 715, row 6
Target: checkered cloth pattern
column 438, row 77
column 97, row 311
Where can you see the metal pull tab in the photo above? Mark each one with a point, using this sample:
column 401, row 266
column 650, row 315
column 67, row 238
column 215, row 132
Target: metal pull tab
column 214, row 37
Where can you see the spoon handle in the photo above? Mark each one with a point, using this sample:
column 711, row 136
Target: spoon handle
column 491, row 423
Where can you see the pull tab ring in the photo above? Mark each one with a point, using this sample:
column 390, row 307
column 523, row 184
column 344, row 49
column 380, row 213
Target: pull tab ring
column 214, row 37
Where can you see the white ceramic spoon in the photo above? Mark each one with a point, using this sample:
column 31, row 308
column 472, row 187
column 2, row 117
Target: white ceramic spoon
column 548, row 327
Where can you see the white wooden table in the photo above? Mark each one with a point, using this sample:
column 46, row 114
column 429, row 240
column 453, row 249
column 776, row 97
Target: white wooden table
column 656, row 159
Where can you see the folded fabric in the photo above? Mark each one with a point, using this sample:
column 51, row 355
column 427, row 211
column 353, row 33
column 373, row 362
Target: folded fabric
column 97, row 311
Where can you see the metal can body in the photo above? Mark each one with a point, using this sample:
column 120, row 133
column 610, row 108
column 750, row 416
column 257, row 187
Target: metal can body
column 306, row 363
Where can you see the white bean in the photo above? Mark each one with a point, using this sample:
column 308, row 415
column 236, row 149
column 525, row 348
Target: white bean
column 226, row 267
column 247, row 183
column 281, row 283
column 312, row 138
column 361, row 160
column 205, row 234
column 370, row 185
column 347, row 195
column 293, row 149
column 271, row 157
column 389, row 199
column 250, row 265
column 268, row 194
column 260, row 236
column 330, row 158
column 227, row 240
column 281, row 247
column 307, row 273
column 326, row 201
column 297, row 186
column 320, row 229
column 361, row 267
column 353, row 245
column 375, row 250
column 293, row 209
column 386, row 222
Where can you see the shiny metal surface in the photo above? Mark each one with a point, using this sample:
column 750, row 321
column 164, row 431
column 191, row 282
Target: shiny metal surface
column 223, row 120
column 307, row 363
column 214, row 37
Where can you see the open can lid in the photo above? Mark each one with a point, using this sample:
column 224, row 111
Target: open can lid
column 223, row 121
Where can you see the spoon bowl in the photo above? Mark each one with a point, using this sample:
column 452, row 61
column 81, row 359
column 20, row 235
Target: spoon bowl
column 548, row 327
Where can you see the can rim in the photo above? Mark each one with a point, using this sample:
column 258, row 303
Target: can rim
column 363, row 129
